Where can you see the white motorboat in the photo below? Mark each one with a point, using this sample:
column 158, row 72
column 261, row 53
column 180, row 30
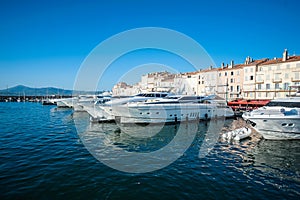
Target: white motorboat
column 64, row 102
column 78, row 103
column 172, row 109
column 96, row 114
column 102, row 111
column 279, row 119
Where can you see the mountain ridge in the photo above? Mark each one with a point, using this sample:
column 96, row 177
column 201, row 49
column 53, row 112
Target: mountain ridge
column 21, row 90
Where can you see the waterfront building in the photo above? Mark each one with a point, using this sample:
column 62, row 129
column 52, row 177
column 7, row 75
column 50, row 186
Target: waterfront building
column 207, row 81
column 230, row 81
column 186, row 83
column 253, row 79
column 250, row 78
column 275, row 76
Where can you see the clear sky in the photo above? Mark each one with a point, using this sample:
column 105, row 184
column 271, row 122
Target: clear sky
column 43, row 43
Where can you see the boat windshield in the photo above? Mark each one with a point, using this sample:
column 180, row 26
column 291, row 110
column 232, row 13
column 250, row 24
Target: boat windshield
column 140, row 95
column 284, row 104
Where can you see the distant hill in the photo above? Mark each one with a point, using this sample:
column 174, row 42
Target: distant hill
column 22, row 90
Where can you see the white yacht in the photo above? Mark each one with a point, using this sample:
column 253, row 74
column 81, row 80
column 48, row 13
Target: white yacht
column 96, row 114
column 102, row 111
column 172, row 109
column 82, row 100
column 62, row 102
column 279, row 119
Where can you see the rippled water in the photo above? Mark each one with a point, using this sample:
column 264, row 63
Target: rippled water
column 43, row 157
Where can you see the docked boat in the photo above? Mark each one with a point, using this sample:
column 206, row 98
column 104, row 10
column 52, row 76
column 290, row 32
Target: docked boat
column 172, row 109
column 47, row 102
column 279, row 119
column 103, row 110
column 93, row 109
column 237, row 134
column 67, row 102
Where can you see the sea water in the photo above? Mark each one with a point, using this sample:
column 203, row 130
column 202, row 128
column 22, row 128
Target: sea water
column 48, row 153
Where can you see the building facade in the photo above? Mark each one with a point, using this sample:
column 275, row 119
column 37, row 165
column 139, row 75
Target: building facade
column 253, row 79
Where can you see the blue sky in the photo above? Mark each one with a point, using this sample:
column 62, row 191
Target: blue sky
column 43, row 43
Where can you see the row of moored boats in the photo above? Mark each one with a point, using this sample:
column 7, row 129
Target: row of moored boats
column 278, row 119
column 153, row 107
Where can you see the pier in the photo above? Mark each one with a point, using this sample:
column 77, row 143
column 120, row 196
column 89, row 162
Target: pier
column 29, row 98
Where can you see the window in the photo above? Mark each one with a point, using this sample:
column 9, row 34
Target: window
column 259, row 86
column 286, row 76
column 278, row 67
column 277, row 76
column 268, row 86
column 286, row 86
column 251, row 78
column 296, row 75
column 231, row 73
column 259, row 78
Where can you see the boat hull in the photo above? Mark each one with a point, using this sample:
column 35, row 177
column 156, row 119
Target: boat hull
column 168, row 113
column 277, row 128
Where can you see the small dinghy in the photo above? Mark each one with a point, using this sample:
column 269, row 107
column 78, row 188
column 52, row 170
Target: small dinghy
column 237, row 134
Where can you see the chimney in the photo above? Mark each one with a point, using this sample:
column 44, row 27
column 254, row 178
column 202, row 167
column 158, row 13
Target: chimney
column 285, row 55
column 248, row 59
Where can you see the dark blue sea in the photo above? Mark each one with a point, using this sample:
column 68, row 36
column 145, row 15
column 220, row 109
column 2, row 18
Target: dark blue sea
column 51, row 153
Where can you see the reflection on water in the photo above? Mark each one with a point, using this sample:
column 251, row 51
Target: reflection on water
column 42, row 156
column 278, row 157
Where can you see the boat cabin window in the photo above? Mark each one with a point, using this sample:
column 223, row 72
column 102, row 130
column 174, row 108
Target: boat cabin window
column 140, row 95
column 284, row 104
column 150, row 95
column 187, row 98
column 171, row 97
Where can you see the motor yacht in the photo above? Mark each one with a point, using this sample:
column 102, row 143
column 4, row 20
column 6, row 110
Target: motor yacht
column 171, row 109
column 277, row 120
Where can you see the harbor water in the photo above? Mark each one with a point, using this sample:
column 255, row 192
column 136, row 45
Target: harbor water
column 44, row 155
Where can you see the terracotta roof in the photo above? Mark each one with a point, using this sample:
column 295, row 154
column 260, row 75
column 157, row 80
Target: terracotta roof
column 279, row 60
column 238, row 66
column 208, row 70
